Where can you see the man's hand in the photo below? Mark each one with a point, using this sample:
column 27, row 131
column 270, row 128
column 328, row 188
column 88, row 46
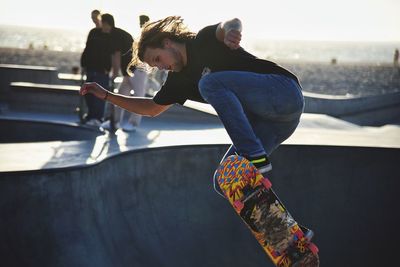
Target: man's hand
column 116, row 64
column 229, row 32
column 232, row 39
column 93, row 88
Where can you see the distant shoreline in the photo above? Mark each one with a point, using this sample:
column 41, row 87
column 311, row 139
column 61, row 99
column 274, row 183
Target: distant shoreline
column 321, row 51
column 8, row 52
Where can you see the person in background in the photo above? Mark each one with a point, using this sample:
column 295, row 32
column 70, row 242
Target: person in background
column 96, row 18
column 96, row 63
column 156, row 77
column 396, row 58
column 143, row 19
column 130, row 85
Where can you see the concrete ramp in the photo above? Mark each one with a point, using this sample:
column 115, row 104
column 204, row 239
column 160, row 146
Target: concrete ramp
column 156, row 207
column 366, row 110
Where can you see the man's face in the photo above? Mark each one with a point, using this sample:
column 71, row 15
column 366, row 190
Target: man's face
column 105, row 27
column 96, row 19
column 166, row 58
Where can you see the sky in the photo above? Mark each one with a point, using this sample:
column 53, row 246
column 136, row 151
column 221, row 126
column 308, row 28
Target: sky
column 333, row 20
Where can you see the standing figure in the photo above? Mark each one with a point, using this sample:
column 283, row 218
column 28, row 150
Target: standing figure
column 96, row 63
column 396, row 58
column 134, row 85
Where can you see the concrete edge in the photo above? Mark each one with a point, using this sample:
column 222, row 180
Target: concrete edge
column 108, row 157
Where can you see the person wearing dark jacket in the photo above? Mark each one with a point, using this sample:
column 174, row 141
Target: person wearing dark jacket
column 96, row 63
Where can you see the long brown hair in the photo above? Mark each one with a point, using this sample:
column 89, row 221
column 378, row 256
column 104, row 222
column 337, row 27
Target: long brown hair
column 153, row 34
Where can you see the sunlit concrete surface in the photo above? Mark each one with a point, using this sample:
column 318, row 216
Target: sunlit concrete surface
column 178, row 127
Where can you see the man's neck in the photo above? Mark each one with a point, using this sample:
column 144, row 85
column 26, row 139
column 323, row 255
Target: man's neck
column 182, row 50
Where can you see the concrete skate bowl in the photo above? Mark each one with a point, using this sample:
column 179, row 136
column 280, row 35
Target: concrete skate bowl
column 156, row 207
column 21, row 130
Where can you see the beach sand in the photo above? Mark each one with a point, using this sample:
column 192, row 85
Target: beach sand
column 339, row 79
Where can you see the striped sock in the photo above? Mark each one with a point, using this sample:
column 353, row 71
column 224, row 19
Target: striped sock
column 262, row 163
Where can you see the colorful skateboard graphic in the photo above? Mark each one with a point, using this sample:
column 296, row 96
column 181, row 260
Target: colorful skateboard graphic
column 251, row 195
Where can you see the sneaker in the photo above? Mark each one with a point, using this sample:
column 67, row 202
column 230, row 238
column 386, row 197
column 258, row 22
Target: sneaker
column 93, row 122
column 127, row 127
column 262, row 164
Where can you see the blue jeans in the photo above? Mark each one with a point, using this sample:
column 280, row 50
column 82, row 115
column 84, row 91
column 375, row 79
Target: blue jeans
column 259, row 111
column 95, row 105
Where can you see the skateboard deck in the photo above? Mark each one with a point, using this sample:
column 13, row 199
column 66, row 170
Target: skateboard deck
column 251, row 195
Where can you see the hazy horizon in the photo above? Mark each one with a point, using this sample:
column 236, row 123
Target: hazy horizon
column 251, row 38
column 311, row 20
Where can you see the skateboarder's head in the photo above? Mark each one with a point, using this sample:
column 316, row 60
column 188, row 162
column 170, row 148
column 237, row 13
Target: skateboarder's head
column 162, row 43
column 107, row 23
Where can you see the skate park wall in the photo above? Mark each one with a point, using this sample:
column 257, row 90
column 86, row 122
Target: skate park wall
column 25, row 131
column 35, row 74
column 375, row 110
column 157, row 207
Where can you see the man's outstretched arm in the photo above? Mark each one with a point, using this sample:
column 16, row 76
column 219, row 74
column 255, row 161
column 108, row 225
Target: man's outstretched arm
column 229, row 32
column 140, row 105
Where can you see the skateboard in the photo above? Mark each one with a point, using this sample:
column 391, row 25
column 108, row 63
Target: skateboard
column 251, row 195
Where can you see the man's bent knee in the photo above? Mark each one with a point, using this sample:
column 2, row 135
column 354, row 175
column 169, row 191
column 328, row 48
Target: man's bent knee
column 207, row 85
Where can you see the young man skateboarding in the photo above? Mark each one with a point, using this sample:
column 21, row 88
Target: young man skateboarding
column 258, row 102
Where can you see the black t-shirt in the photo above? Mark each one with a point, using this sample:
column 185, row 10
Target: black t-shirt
column 205, row 53
column 97, row 54
column 122, row 41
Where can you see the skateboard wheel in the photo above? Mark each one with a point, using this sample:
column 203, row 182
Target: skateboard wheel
column 267, row 183
column 313, row 248
column 238, row 205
